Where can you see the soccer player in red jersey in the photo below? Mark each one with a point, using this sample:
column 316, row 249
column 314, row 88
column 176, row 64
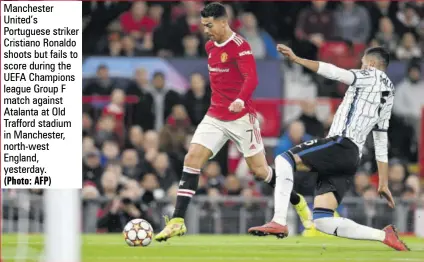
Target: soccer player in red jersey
column 231, row 116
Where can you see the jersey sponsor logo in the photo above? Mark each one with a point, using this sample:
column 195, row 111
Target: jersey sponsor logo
column 219, row 70
column 224, row 57
column 248, row 52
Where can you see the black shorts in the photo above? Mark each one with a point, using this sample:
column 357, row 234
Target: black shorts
column 335, row 159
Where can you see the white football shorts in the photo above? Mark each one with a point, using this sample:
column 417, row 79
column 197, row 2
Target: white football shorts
column 245, row 132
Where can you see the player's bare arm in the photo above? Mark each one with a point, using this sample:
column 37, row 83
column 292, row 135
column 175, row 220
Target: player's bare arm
column 383, row 185
column 380, row 144
column 288, row 52
column 327, row 70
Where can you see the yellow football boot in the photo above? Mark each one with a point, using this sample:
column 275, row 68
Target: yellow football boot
column 174, row 227
column 304, row 213
column 313, row 232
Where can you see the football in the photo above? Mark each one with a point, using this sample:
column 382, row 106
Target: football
column 138, row 233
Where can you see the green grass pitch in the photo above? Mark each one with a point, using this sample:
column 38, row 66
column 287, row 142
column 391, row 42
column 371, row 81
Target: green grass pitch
column 233, row 248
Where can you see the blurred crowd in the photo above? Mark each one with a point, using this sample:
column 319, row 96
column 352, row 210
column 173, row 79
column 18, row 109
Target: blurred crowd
column 174, row 28
column 135, row 162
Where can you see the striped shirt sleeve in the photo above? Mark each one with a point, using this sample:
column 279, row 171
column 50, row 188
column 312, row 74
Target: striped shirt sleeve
column 384, row 119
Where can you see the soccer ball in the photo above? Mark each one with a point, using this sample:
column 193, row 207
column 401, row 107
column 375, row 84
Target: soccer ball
column 138, row 232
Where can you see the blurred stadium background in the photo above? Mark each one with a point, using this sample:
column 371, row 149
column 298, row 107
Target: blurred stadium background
column 146, row 88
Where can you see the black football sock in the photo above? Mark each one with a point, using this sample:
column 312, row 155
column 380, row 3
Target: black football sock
column 294, row 198
column 188, row 186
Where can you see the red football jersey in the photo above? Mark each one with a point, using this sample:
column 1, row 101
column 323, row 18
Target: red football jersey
column 232, row 72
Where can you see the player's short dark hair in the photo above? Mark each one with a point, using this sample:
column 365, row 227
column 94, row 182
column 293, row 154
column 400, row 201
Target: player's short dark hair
column 380, row 53
column 215, row 10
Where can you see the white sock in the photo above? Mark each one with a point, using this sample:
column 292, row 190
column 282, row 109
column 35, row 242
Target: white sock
column 348, row 229
column 283, row 188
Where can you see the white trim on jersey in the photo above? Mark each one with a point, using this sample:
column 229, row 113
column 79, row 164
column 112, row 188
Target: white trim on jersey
column 238, row 40
column 366, row 106
column 226, row 42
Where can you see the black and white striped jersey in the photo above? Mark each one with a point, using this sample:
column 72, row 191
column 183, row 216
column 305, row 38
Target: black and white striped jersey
column 366, row 106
